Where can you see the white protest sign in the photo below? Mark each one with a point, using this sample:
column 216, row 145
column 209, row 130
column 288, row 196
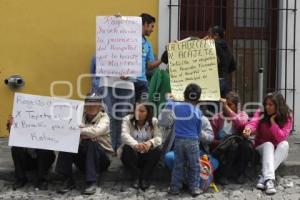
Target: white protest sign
column 118, row 46
column 46, row 123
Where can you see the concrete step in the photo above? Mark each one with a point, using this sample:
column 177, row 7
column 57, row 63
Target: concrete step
column 116, row 171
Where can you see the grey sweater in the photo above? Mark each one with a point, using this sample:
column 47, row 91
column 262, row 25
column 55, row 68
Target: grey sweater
column 166, row 122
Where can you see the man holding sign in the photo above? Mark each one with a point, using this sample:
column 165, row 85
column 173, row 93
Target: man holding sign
column 148, row 61
column 194, row 61
column 26, row 159
column 118, row 56
column 40, row 125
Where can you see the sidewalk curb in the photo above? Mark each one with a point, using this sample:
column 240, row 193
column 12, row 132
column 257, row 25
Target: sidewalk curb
column 160, row 174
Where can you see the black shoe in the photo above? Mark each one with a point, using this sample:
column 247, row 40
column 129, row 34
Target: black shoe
column 144, row 184
column 196, row 192
column 135, row 184
column 42, row 184
column 67, row 186
column 90, row 189
column 173, row 191
column 185, row 186
column 223, row 181
column 241, row 179
column 19, row 183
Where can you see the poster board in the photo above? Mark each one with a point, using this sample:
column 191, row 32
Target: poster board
column 46, row 123
column 194, row 61
column 118, row 46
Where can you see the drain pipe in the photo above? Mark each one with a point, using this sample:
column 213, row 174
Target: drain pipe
column 260, row 84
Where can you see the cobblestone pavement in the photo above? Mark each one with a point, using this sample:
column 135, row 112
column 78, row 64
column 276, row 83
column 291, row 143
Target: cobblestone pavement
column 288, row 188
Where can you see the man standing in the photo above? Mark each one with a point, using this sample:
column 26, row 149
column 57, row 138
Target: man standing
column 148, row 61
column 226, row 62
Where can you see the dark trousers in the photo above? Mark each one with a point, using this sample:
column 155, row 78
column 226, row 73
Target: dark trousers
column 244, row 156
column 140, row 165
column 23, row 162
column 90, row 159
column 141, row 90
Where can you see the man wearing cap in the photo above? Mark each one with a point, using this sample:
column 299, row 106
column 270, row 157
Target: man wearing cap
column 94, row 145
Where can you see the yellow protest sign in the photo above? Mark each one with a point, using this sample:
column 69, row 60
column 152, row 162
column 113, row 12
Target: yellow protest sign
column 194, row 61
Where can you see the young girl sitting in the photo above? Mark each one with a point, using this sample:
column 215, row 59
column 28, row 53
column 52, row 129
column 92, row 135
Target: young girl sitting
column 272, row 127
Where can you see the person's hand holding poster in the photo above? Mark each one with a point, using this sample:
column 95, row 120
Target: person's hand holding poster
column 119, row 46
column 194, row 61
column 46, row 123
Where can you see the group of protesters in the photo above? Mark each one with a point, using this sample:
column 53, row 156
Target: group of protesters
column 120, row 120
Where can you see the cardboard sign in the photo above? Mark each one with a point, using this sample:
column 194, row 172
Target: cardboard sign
column 119, row 46
column 46, row 123
column 194, row 61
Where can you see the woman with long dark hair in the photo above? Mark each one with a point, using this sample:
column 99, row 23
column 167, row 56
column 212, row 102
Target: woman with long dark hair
column 141, row 139
column 272, row 127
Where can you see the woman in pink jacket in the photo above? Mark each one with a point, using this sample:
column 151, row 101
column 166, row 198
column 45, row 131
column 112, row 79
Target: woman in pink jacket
column 272, row 128
column 231, row 121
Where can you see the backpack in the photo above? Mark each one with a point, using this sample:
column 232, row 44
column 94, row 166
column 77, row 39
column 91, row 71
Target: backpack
column 206, row 173
column 228, row 154
column 229, row 144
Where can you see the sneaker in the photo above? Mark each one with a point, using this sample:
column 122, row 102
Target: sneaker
column 42, row 185
column 144, row 184
column 173, row 191
column 135, row 183
column 270, row 187
column 223, row 181
column 196, row 192
column 68, row 185
column 242, row 179
column 261, row 183
column 90, row 189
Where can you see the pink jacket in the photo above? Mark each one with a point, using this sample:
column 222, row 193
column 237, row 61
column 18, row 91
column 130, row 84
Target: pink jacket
column 239, row 120
column 266, row 132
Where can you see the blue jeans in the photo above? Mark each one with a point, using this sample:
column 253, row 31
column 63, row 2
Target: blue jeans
column 170, row 156
column 118, row 103
column 187, row 153
column 141, row 90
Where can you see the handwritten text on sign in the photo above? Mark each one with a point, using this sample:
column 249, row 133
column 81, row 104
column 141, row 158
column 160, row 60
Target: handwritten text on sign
column 194, row 61
column 46, row 123
column 118, row 46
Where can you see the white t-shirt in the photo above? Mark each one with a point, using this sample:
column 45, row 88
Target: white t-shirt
column 142, row 135
column 227, row 129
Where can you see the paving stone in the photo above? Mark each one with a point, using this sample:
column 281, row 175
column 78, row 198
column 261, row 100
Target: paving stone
column 238, row 195
column 250, row 195
column 292, row 196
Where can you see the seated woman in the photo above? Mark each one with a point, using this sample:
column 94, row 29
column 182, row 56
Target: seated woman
column 92, row 157
column 26, row 159
column 272, row 127
column 141, row 139
column 229, row 122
